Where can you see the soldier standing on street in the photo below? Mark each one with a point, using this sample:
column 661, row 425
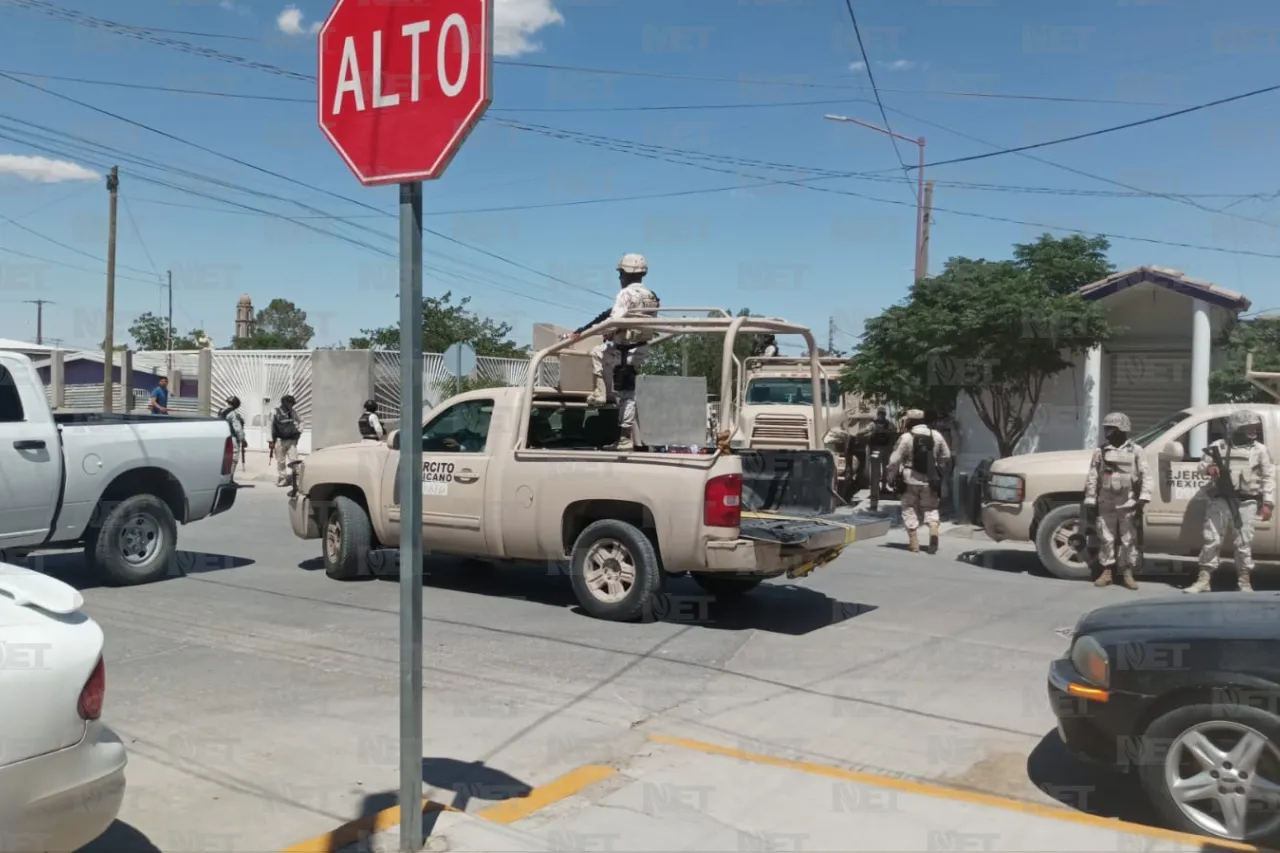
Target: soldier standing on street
column 370, row 425
column 922, row 455
column 1119, row 485
column 624, row 350
column 1253, row 476
column 286, row 429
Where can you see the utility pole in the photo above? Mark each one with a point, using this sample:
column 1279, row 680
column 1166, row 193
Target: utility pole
column 109, row 342
column 919, row 191
column 923, row 266
column 40, row 303
column 684, row 355
column 169, row 327
column 831, row 335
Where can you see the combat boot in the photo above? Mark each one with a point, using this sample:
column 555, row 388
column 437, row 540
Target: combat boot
column 1105, row 578
column 1202, row 582
column 913, row 541
column 598, row 394
column 1127, row 579
column 935, row 531
column 1244, row 580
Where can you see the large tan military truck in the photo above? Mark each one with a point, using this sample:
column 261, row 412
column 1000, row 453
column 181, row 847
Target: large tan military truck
column 777, row 410
column 1036, row 497
column 527, row 474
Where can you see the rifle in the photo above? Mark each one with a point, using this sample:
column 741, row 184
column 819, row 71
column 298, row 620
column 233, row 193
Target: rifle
column 1088, row 519
column 271, row 449
column 1140, row 531
column 242, row 456
column 1226, row 488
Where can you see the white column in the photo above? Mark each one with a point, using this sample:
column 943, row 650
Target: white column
column 1092, row 398
column 1201, row 350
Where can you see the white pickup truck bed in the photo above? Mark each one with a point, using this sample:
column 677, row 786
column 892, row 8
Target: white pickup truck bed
column 117, row 484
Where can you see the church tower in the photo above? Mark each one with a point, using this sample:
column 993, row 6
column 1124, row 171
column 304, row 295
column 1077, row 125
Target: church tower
column 244, row 317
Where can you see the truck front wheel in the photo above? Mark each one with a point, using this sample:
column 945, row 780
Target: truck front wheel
column 348, row 539
column 615, row 571
column 1054, row 547
column 135, row 541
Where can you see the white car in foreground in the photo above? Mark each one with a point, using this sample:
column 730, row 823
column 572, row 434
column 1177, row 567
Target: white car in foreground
column 61, row 768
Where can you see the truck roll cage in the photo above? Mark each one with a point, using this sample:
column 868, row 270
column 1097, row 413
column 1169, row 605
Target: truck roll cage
column 722, row 323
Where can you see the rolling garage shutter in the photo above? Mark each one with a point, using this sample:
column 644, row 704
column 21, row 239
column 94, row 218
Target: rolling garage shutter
column 1149, row 386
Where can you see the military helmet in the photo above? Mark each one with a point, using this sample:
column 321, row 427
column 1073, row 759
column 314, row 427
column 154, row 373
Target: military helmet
column 233, row 402
column 914, row 415
column 1117, row 420
column 633, row 263
column 371, row 405
column 287, row 400
column 1241, row 419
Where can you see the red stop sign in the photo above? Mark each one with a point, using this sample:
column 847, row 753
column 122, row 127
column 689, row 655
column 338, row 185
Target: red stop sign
column 402, row 83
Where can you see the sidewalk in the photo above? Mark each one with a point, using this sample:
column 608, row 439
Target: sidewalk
column 258, row 468
column 681, row 794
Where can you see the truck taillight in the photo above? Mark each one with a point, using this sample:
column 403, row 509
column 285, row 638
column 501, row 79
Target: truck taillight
column 722, row 501
column 228, row 457
column 95, row 690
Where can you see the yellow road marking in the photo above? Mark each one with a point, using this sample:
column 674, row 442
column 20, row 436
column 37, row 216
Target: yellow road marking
column 510, row 811
column 507, row 811
column 926, row 789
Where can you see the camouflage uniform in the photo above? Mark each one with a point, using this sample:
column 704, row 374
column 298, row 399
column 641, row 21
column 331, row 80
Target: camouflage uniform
column 623, row 348
column 1119, row 485
column 920, row 496
column 1253, row 473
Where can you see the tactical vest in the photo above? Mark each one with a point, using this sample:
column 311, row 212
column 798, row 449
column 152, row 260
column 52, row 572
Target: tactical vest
column 287, row 424
column 366, row 428
column 644, row 305
column 1244, row 470
column 1119, row 471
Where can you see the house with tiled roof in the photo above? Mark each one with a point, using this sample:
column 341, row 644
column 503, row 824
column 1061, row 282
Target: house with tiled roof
column 1157, row 364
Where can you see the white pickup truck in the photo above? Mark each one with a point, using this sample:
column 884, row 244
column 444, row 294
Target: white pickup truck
column 118, row 485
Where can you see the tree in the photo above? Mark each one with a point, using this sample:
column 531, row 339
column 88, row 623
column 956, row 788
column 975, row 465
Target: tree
column 992, row 330
column 705, row 355
column 281, row 325
column 152, row 333
column 444, row 324
column 1064, row 266
column 1261, row 335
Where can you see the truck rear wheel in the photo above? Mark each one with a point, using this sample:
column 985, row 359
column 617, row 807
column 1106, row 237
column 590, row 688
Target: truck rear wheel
column 1053, row 546
column 348, row 539
column 615, row 571
column 134, row 543
column 726, row 587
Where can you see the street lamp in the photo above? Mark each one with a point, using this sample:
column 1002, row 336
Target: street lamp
column 920, row 271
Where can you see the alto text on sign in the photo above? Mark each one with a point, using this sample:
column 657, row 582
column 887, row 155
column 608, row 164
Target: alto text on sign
column 401, row 85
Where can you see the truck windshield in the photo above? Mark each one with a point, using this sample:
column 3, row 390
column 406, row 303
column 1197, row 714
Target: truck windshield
column 1145, row 437
column 783, row 391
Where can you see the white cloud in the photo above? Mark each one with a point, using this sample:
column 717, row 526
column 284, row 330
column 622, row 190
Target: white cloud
column 895, row 65
column 44, row 170
column 289, row 22
column 516, row 20
column 232, row 6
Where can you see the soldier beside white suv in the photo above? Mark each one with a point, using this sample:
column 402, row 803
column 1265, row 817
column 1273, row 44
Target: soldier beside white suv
column 1036, row 497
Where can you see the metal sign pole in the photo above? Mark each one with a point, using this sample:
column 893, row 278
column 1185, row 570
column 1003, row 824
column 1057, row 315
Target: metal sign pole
column 411, row 517
column 457, row 372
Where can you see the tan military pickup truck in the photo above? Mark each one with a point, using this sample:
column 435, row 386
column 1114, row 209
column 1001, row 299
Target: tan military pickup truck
column 525, row 474
column 1036, row 497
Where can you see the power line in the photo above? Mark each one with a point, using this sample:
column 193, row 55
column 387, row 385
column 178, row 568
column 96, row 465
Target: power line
column 143, row 34
column 137, row 233
column 866, row 66
column 1104, row 130
column 170, row 89
column 806, row 183
column 294, row 181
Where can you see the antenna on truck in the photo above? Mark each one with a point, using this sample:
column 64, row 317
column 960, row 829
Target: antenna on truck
column 1269, row 382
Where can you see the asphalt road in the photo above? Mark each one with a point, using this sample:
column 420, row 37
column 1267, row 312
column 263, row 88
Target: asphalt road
column 258, row 698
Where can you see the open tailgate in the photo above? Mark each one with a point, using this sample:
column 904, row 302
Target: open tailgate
column 788, row 497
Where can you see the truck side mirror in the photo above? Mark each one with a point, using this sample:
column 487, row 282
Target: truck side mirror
column 393, row 440
column 1172, row 451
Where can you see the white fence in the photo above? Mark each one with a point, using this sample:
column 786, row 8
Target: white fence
column 261, row 377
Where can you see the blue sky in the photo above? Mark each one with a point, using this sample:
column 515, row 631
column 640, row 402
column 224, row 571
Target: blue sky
column 783, row 250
